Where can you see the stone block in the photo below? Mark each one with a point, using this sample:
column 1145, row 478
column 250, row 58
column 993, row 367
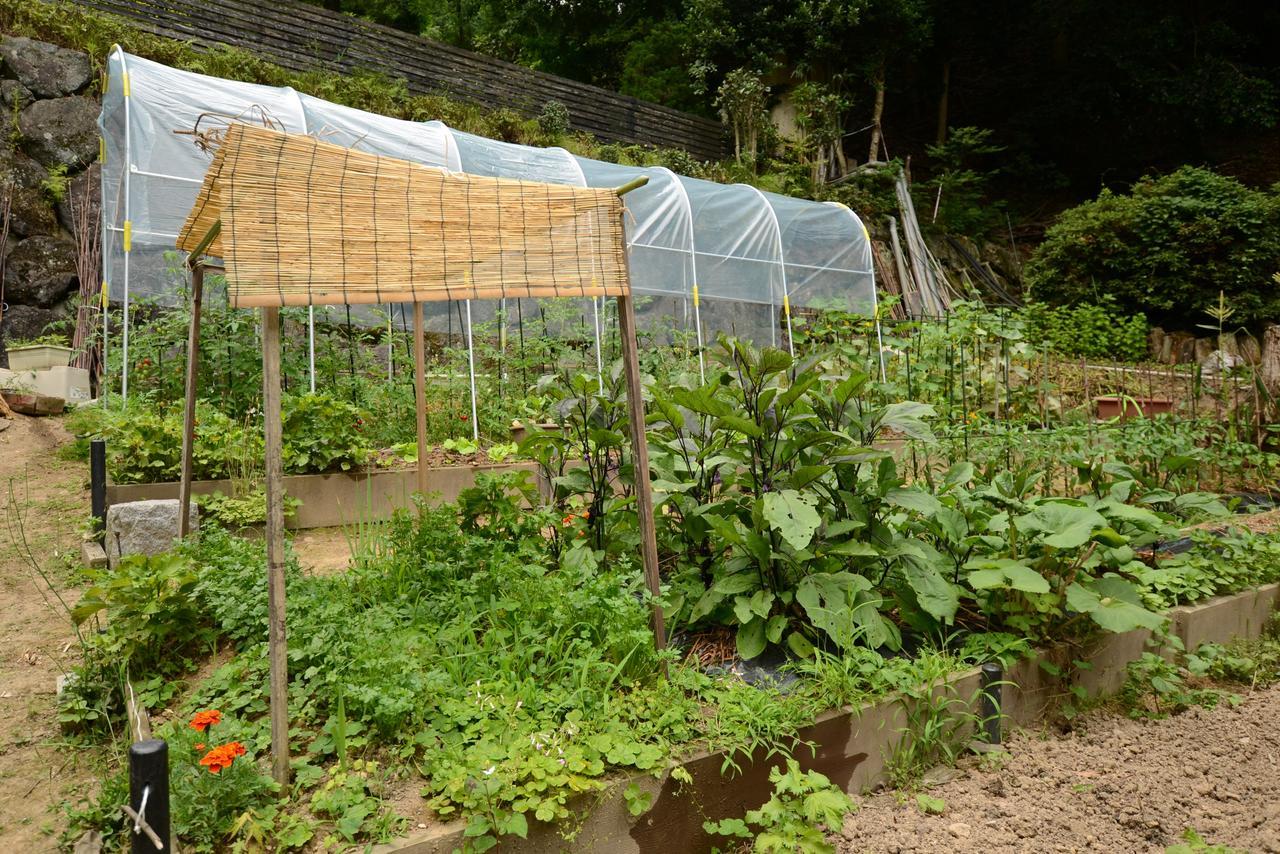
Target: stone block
column 93, row 555
column 144, row 527
column 61, row 130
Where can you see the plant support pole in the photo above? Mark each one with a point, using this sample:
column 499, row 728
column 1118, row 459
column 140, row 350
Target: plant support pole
column 311, row 344
column 640, row 445
column 420, row 392
column 276, row 636
column 471, row 371
column 189, row 408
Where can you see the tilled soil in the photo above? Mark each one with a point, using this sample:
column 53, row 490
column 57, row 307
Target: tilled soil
column 43, row 503
column 1113, row 784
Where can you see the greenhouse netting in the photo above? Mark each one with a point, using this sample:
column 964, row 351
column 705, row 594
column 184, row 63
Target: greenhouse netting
column 705, row 257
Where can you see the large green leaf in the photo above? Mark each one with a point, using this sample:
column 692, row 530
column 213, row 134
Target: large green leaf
column 1112, row 604
column 934, row 593
column 1064, row 526
column 908, row 417
column 913, row 499
column 827, row 599
column 1005, row 573
column 751, row 639
column 792, row 515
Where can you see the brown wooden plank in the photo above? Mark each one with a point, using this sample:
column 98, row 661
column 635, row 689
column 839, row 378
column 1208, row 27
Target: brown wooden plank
column 277, row 643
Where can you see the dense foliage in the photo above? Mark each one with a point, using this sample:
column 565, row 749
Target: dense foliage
column 1044, row 76
column 1167, row 248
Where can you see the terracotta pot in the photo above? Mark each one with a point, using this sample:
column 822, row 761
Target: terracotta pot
column 1112, row 406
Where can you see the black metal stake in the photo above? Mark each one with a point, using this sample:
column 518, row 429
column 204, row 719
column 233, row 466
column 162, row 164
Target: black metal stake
column 992, row 700
column 149, row 796
column 98, row 485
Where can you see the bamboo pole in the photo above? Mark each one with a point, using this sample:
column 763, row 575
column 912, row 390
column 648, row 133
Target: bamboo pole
column 420, row 392
column 277, row 642
column 189, row 409
column 640, row 463
column 640, row 444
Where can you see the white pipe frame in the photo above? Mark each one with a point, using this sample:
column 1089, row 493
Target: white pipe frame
column 782, row 266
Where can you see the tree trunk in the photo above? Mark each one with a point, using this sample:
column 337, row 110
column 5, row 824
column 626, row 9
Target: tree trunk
column 876, row 115
column 944, row 103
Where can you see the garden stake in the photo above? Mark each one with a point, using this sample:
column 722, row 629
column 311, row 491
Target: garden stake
column 640, row 446
column 148, row 807
column 992, row 693
column 274, row 470
column 420, row 392
column 98, row 485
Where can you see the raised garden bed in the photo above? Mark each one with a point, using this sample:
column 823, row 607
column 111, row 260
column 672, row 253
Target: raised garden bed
column 850, row 745
column 1112, row 406
column 329, row 500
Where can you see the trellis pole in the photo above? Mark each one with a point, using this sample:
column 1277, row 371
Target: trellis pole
column 639, row 441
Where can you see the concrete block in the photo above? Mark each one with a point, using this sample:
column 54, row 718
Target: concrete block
column 93, row 555
column 144, row 527
column 70, row 384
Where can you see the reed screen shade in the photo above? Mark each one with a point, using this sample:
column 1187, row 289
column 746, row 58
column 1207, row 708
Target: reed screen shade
column 305, row 222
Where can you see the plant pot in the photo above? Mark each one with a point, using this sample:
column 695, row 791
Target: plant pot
column 1113, row 406
column 37, row 357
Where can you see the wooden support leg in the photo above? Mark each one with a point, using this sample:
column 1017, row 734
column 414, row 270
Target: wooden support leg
column 420, row 392
column 640, row 460
column 276, row 637
column 189, row 413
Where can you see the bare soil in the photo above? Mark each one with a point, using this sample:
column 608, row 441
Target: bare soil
column 50, row 498
column 1113, row 784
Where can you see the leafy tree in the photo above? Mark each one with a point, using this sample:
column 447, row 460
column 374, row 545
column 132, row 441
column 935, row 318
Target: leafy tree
column 1167, row 248
column 742, row 100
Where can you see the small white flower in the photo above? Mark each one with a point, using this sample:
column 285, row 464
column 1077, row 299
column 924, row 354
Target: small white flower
column 490, row 770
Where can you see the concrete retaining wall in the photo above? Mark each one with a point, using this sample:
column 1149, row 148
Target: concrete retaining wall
column 329, row 500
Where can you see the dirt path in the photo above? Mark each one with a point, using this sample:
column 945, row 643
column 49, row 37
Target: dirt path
column 51, row 495
column 1114, row 784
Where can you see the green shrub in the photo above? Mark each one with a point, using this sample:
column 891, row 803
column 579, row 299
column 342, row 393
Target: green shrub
column 1094, row 330
column 1166, row 249
column 322, row 434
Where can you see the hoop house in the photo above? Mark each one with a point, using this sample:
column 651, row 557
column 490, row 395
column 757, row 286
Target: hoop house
column 705, row 257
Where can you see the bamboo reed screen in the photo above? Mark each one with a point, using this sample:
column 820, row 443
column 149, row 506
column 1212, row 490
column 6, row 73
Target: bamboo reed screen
column 306, row 222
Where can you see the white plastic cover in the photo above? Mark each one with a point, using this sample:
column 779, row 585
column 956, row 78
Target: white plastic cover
column 733, row 242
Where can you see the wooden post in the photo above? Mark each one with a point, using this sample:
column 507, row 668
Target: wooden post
column 640, row 461
column 420, row 392
column 275, row 545
column 189, row 413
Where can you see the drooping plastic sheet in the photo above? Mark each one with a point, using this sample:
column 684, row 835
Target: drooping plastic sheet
column 730, row 242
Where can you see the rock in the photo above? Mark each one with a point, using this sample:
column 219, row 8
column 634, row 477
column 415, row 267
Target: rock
column 1203, row 348
column 144, row 527
column 47, row 70
column 959, row 830
column 89, row 843
column 940, row 775
column 93, row 555
column 1219, row 361
column 30, row 212
column 28, row 321
column 40, row 271
column 82, row 188
column 61, row 130
column 14, row 93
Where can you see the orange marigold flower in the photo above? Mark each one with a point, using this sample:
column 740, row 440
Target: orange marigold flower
column 222, row 756
column 200, row 746
column 204, row 720
column 586, row 514
column 567, row 521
